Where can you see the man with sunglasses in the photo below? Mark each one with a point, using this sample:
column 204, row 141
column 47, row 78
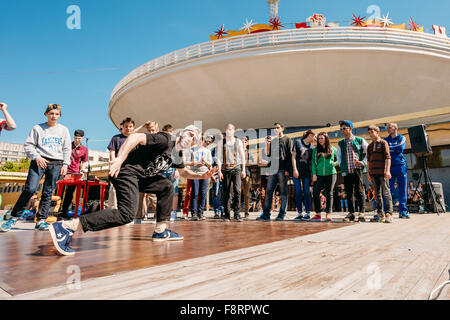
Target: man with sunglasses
column 49, row 147
column 352, row 159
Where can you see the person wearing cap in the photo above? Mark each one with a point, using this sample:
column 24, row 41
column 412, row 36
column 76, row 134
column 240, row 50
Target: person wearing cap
column 137, row 168
column 378, row 173
column 397, row 144
column 8, row 123
column 352, row 159
column 78, row 162
column 48, row 146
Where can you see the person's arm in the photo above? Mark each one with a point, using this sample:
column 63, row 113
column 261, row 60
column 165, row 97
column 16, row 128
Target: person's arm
column 189, row 174
column 338, row 155
column 365, row 145
column 30, row 148
column 241, row 150
column 10, row 123
column 294, row 164
column 67, row 151
column 130, row 143
column 387, row 163
column 314, row 165
column 141, row 126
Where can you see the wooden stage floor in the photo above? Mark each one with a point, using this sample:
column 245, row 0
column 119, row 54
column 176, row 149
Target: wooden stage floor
column 231, row 260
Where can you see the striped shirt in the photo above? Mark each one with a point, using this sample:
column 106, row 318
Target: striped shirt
column 377, row 154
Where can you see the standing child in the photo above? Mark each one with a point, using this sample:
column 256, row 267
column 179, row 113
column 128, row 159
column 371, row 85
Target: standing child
column 379, row 173
column 49, row 147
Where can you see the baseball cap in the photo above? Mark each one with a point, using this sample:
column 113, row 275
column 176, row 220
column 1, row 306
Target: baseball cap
column 346, row 122
column 79, row 133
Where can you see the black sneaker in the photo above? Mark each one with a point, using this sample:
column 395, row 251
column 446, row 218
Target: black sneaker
column 216, row 215
column 361, row 218
column 201, row 216
column 226, row 217
column 349, row 217
column 195, row 217
column 237, row 217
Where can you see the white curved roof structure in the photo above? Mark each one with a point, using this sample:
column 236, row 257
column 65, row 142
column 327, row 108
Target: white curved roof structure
column 301, row 77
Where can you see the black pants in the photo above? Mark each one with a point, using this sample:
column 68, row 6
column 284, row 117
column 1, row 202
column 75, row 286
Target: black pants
column 127, row 187
column 353, row 183
column 68, row 197
column 232, row 176
column 325, row 183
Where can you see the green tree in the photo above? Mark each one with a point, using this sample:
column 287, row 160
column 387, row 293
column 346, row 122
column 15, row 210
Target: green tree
column 18, row 166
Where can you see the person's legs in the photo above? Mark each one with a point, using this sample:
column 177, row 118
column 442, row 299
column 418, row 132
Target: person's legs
column 359, row 190
column 402, row 189
column 376, row 181
column 283, row 180
column 142, row 206
column 127, row 191
column 387, row 195
column 194, row 196
column 330, row 181
column 348, row 185
column 306, row 182
column 187, row 198
column 298, row 194
column 317, row 188
column 52, row 173
column 226, row 186
column 163, row 189
column 203, row 190
column 215, row 191
column 68, row 197
column 236, row 178
column 246, row 190
column 31, row 185
column 271, row 184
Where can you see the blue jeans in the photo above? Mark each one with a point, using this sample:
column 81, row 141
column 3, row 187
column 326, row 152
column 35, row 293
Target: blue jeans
column 302, row 195
column 199, row 190
column 344, row 204
column 272, row 180
column 399, row 175
column 217, row 203
column 34, row 177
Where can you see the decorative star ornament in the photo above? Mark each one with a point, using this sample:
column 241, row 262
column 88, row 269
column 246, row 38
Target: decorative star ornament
column 276, row 24
column 413, row 25
column 386, row 22
column 221, row 32
column 248, row 25
column 358, row 21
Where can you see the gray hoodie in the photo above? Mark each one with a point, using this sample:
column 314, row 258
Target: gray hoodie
column 49, row 142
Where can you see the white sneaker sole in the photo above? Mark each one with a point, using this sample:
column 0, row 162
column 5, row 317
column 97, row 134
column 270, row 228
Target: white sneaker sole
column 167, row 239
column 55, row 242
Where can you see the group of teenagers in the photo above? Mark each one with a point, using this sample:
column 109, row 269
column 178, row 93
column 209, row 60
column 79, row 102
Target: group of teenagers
column 146, row 163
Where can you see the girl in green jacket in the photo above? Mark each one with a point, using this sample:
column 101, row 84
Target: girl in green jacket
column 324, row 162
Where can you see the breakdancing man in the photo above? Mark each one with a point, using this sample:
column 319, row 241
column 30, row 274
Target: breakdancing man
column 136, row 169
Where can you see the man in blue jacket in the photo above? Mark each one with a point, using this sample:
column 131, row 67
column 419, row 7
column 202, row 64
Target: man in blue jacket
column 397, row 144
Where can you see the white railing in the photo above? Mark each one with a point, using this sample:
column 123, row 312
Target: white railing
column 281, row 37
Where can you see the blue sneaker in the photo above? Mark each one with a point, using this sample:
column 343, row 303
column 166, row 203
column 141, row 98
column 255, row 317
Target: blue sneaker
column 264, row 217
column 298, row 218
column 41, row 225
column 404, row 215
column 167, row 235
column 62, row 238
column 280, row 217
column 5, row 227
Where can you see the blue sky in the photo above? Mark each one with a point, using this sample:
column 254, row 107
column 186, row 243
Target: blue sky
column 42, row 61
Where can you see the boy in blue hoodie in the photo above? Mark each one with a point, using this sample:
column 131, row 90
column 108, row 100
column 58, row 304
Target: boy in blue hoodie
column 397, row 144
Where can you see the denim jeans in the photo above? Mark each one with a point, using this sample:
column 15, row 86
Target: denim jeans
column 199, row 190
column 34, row 177
column 272, row 180
column 344, row 204
column 302, row 195
column 217, row 202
